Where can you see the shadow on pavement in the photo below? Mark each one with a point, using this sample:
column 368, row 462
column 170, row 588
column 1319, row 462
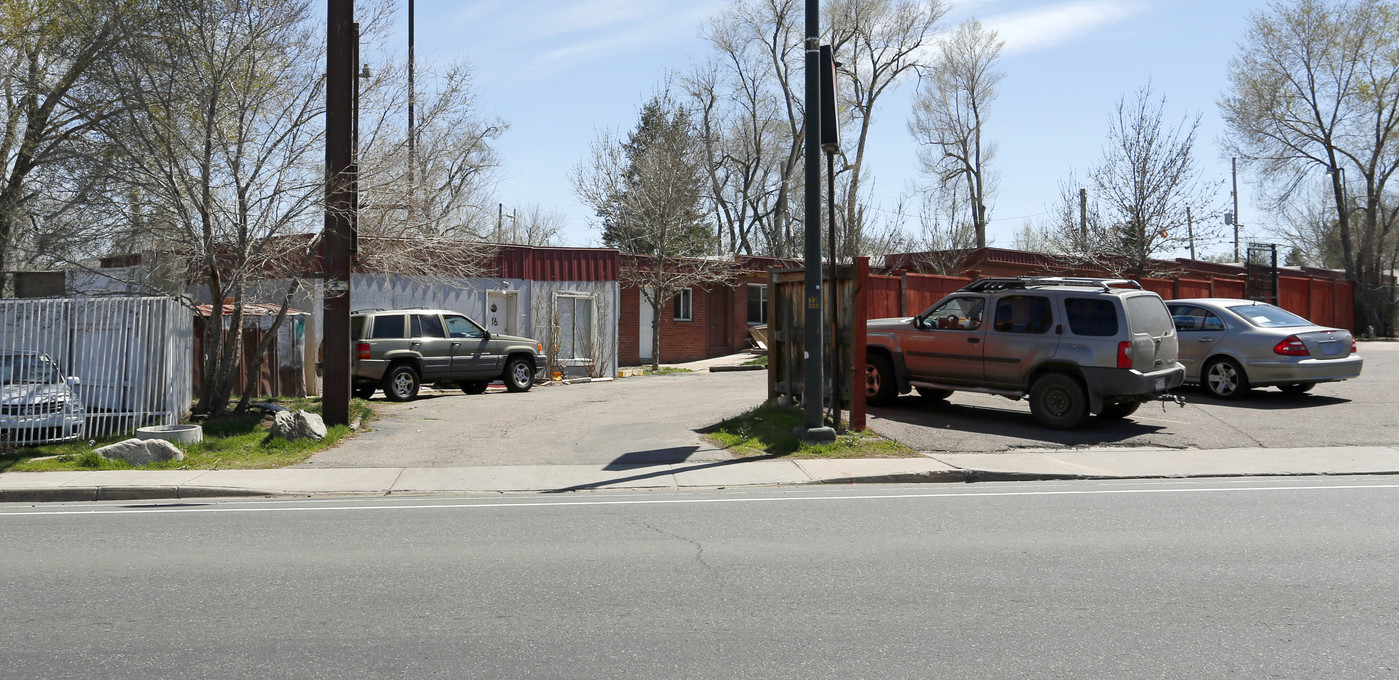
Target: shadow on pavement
column 659, row 473
column 1262, row 399
column 677, row 454
column 938, row 414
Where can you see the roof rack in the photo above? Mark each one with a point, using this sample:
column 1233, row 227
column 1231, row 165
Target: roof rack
column 367, row 310
column 1008, row 283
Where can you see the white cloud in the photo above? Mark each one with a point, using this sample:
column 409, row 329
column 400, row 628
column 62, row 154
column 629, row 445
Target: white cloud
column 1039, row 29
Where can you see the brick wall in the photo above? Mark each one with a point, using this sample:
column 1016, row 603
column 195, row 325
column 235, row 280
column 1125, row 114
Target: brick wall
column 683, row 341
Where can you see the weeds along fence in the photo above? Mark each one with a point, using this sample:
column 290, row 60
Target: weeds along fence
column 127, row 361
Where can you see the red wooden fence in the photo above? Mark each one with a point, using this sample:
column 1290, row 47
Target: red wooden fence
column 1324, row 301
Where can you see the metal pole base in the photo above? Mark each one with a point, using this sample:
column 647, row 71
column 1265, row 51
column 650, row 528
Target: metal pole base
column 815, row 435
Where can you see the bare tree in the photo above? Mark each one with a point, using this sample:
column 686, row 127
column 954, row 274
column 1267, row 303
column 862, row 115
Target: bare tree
column 454, row 156
column 646, row 191
column 949, row 113
column 878, row 43
column 530, row 225
column 217, row 141
column 51, row 58
column 1315, row 87
column 1147, row 180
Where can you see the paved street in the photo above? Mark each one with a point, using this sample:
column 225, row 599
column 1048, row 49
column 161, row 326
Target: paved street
column 1212, row 579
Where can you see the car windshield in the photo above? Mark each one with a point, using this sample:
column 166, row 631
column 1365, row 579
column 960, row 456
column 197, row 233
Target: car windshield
column 1265, row 315
column 28, row 369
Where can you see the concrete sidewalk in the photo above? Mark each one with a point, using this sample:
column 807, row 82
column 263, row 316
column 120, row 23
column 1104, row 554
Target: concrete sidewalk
column 1120, row 463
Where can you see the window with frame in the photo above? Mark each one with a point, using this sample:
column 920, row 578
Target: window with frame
column 757, row 303
column 1023, row 314
column 683, row 305
column 575, row 341
column 957, row 314
column 388, row 326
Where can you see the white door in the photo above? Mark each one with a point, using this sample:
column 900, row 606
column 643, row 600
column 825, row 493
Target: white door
column 500, row 312
column 646, row 317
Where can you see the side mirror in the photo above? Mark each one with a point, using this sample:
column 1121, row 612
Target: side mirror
column 73, row 381
column 487, row 337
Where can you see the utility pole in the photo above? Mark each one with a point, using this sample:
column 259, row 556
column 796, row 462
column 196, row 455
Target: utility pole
column 412, row 133
column 813, row 378
column 1083, row 217
column 1235, row 173
column 1190, row 224
column 341, row 73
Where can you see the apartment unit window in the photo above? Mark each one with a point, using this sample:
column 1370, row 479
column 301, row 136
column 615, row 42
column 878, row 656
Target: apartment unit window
column 757, row 303
column 682, row 305
column 575, row 327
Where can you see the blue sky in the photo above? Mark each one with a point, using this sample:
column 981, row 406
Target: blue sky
column 558, row 71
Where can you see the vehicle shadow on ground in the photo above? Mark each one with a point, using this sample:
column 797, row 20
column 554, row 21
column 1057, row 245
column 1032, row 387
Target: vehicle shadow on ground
column 662, row 472
column 940, row 414
column 1261, row 399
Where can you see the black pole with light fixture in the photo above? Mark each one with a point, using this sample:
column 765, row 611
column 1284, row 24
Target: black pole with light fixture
column 813, row 379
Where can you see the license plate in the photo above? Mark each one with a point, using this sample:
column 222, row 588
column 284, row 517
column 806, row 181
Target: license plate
column 1331, row 348
column 1160, row 384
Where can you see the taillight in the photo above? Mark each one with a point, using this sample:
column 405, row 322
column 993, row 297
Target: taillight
column 1353, row 350
column 361, row 350
column 1291, row 346
column 1124, row 354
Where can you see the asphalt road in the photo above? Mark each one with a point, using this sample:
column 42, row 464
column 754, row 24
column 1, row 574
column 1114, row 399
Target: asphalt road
column 1360, row 412
column 1237, row 578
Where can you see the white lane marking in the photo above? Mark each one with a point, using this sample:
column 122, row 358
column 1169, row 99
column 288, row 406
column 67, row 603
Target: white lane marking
column 685, row 501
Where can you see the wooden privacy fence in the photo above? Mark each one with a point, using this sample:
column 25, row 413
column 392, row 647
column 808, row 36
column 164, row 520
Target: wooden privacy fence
column 1326, row 302
column 787, row 335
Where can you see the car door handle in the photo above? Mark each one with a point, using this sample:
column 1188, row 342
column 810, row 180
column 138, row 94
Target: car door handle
column 973, row 340
column 1205, row 340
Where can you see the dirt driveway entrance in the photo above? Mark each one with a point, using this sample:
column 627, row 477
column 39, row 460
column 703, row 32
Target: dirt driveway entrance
column 643, row 420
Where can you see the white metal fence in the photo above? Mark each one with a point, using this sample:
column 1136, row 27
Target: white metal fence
column 91, row 367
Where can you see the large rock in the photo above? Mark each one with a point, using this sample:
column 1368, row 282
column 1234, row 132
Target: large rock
column 298, row 425
column 141, row 451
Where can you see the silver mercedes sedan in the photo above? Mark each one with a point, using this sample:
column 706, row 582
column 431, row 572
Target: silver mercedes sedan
column 1229, row 346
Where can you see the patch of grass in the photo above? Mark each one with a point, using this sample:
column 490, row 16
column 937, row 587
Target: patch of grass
column 767, row 431
column 760, row 361
column 666, row 370
column 233, row 442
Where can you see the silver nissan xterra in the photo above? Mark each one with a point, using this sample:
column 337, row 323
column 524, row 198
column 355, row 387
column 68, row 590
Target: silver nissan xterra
column 1073, row 346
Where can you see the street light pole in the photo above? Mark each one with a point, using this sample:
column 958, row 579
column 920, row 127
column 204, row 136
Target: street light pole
column 813, row 378
column 412, row 98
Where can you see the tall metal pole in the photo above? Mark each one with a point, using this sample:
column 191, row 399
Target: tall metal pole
column 1235, row 173
column 1190, row 224
column 835, row 288
column 813, row 378
column 412, row 121
column 339, row 212
column 1083, row 217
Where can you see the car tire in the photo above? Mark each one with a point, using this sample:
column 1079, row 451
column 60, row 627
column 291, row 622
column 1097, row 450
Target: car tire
column 1297, row 388
column 880, row 386
column 1120, row 410
column 473, row 386
column 933, row 393
column 1225, row 379
column 401, row 383
column 519, row 375
column 363, row 391
column 1058, row 401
